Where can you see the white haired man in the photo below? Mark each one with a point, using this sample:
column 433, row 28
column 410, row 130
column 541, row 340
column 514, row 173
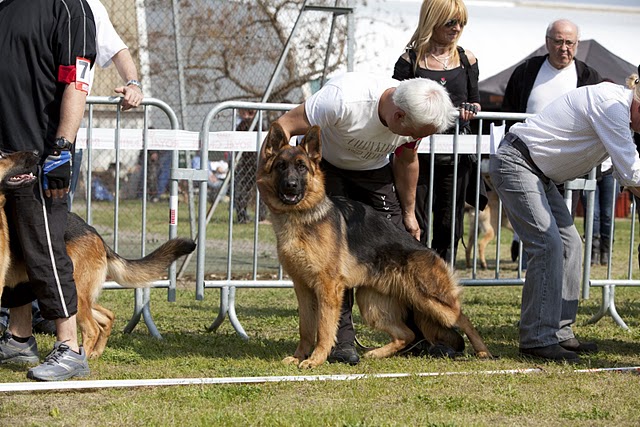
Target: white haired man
column 364, row 118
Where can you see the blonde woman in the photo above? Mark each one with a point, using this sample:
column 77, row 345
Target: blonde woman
column 568, row 138
column 433, row 53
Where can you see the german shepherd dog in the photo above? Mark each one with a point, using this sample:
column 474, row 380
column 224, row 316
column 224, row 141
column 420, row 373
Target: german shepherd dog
column 327, row 245
column 92, row 259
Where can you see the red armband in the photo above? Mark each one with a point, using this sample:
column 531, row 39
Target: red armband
column 69, row 74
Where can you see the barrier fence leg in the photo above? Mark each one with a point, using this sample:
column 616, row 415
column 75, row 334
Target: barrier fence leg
column 233, row 317
column 222, row 312
column 142, row 308
column 608, row 306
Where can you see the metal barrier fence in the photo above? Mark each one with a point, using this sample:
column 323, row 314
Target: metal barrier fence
column 247, row 254
column 479, row 144
column 90, row 140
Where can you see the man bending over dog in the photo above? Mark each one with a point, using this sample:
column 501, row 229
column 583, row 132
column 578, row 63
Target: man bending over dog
column 365, row 118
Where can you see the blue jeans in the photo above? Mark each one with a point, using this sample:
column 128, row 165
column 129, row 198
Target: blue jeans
column 603, row 207
column 540, row 216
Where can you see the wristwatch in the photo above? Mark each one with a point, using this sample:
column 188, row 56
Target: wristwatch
column 135, row 83
column 62, row 144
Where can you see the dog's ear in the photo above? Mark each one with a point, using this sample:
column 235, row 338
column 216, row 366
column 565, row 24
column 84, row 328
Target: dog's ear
column 312, row 144
column 275, row 140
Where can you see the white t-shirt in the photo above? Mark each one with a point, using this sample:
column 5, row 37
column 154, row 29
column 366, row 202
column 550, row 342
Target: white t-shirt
column 108, row 42
column 579, row 130
column 550, row 84
column 346, row 109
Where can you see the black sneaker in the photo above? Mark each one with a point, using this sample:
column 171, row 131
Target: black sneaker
column 344, row 353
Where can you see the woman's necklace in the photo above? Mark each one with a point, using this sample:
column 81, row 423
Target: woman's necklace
column 444, row 61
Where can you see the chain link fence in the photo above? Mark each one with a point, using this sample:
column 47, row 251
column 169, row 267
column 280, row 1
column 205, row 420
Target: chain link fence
column 194, row 54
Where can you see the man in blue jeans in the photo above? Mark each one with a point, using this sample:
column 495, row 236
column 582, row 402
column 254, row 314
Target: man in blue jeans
column 567, row 139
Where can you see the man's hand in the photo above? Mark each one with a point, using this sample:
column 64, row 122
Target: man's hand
column 57, row 174
column 411, row 224
column 132, row 96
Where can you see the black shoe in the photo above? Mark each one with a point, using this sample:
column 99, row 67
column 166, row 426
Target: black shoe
column 423, row 347
column 344, row 353
column 442, row 351
column 417, row 348
column 576, row 346
column 45, row 327
column 552, row 352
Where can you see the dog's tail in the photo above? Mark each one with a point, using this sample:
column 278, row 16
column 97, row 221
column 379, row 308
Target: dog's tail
column 140, row 272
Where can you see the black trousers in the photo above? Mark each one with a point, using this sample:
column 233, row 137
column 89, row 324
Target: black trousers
column 443, row 176
column 376, row 189
column 37, row 225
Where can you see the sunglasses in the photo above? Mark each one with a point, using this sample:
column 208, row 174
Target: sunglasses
column 453, row 22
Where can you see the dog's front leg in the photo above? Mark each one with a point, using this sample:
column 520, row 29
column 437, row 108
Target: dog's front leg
column 474, row 337
column 329, row 297
column 307, row 323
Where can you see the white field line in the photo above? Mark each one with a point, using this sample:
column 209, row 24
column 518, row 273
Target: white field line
column 102, row 384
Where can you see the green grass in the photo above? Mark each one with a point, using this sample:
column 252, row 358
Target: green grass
column 556, row 396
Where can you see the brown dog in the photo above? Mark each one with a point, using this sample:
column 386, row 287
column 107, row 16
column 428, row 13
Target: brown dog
column 487, row 225
column 92, row 259
column 328, row 245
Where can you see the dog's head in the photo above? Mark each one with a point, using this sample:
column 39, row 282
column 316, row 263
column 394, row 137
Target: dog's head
column 289, row 177
column 17, row 170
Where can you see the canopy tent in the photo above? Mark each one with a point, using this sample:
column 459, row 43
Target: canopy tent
column 593, row 53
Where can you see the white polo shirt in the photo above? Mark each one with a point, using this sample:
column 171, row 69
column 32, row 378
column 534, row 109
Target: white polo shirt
column 579, row 130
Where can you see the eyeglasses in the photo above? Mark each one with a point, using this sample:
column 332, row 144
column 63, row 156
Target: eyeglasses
column 559, row 43
column 453, row 22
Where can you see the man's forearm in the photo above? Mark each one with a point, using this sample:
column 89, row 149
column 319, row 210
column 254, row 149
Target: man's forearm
column 406, row 180
column 71, row 112
column 125, row 65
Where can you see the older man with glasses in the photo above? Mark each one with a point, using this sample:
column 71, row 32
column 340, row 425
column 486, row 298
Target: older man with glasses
column 541, row 79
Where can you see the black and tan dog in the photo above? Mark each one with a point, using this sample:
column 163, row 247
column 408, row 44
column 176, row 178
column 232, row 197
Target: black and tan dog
column 92, row 259
column 327, row 245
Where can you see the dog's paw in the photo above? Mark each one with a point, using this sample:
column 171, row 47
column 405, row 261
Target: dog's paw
column 377, row 353
column 290, row 360
column 308, row 364
column 484, row 355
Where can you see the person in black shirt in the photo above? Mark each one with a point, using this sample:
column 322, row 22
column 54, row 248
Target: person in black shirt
column 433, row 53
column 48, row 47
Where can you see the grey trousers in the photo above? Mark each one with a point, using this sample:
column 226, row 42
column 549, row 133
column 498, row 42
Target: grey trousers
column 553, row 245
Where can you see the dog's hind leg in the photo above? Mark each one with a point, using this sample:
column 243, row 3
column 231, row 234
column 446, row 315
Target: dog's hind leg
column 88, row 326
column 387, row 314
column 105, row 319
column 307, row 306
column 474, row 337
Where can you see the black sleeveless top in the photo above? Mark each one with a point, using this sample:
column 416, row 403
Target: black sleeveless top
column 461, row 82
